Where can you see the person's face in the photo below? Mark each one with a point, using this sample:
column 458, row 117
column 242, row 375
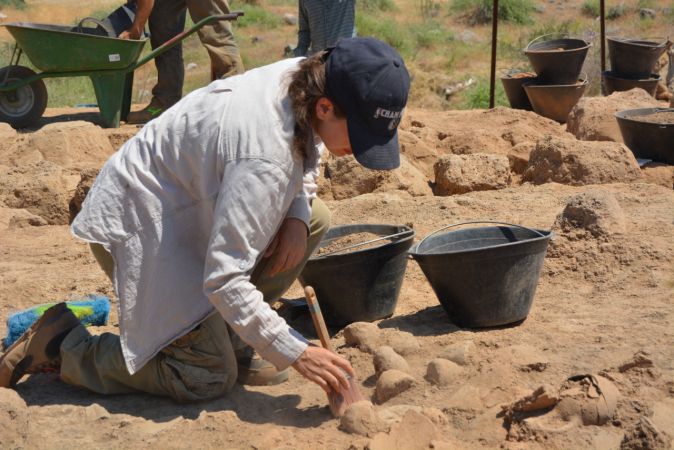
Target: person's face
column 332, row 129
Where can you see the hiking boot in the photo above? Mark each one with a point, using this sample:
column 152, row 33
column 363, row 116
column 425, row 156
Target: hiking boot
column 255, row 371
column 151, row 111
column 38, row 348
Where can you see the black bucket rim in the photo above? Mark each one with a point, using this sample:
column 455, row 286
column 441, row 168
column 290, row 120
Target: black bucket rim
column 544, row 235
column 387, row 245
column 639, row 42
column 586, row 45
column 627, row 114
column 611, row 74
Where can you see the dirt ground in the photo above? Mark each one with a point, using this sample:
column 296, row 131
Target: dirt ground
column 604, row 304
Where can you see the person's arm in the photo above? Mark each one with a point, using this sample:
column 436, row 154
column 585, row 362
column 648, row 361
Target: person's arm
column 290, row 244
column 303, row 33
column 143, row 10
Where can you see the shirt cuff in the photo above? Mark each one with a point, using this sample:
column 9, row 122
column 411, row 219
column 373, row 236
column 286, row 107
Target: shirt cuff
column 300, row 209
column 285, row 349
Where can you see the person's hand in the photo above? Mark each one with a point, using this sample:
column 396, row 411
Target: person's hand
column 131, row 33
column 325, row 368
column 288, row 247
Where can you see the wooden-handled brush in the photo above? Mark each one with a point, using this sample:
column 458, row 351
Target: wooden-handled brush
column 339, row 401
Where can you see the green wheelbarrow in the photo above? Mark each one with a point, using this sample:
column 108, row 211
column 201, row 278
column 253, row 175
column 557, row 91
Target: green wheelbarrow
column 63, row 51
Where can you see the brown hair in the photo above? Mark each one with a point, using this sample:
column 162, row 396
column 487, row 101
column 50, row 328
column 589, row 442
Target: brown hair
column 307, row 85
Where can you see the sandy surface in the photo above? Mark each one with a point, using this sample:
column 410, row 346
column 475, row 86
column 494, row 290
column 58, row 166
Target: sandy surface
column 604, row 305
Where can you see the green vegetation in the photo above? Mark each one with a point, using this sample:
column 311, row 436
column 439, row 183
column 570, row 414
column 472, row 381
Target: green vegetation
column 616, row 11
column 258, row 16
column 376, row 5
column 480, row 11
column 591, row 8
column 388, row 30
column 431, row 34
column 18, row 4
column 647, row 4
column 477, row 96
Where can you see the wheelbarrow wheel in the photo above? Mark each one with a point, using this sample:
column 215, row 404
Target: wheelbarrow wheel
column 21, row 107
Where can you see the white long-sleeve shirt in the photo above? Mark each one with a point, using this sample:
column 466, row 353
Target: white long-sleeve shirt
column 188, row 206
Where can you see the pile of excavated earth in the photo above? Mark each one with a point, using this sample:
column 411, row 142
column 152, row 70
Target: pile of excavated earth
column 591, row 367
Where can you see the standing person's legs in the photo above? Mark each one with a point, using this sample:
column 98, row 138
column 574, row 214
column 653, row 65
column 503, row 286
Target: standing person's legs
column 166, row 21
column 197, row 366
column 217, row 37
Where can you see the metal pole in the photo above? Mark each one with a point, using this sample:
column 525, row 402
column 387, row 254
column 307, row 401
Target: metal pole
column 494, row 32
column 602, row 33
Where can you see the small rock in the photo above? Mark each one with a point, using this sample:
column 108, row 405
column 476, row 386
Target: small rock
column 290, row 19
column 3, row 16
column 468, row 37
column 14, row 420
column 403, row 343
column 95, row 412
column 458, row 174
column 394, row 414
column 391, row 383
column 414, row 432
column 191, row 66
column 385, row 358
column 22, row 218
column 361, row 418
column 460, row 353
column 640, row 359
column 647, row 13
column 593, row 118
column 595, row 211
column 363, row 335
column 442, row 371
column 577, row 163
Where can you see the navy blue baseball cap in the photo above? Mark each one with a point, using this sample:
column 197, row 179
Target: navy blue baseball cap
column 368, row 81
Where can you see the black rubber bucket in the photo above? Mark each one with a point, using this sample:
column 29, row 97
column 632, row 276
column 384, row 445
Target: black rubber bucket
column 554, row 101
column 614, row 83
column 647, row 140
column 484, row 276
column 633, row 58
column 557, row 61
column 361, row 285
column 512, row 84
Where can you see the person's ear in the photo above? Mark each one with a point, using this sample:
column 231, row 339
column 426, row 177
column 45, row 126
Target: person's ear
column 324, row 108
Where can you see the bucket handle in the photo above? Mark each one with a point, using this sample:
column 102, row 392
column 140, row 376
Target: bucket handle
column 544, row 35
column 381, row 238
column 479, row 221
column 104, row 26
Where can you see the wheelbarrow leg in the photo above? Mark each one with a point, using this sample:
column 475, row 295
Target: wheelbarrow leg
column 128, row 90
column 110, row 90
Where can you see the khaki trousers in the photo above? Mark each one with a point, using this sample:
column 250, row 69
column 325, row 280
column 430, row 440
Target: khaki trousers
column 198, row 366
column 167, row 20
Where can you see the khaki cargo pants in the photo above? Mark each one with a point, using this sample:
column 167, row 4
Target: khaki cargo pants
column 167, row 20
column 198, row 366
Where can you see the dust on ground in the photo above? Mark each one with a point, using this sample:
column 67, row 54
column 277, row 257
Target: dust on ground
column 603, row 306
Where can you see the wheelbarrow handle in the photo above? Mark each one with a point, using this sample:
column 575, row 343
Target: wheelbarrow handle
column 182, row 36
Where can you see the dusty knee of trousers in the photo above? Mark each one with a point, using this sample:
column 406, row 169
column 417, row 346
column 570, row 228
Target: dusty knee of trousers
column 320, row 218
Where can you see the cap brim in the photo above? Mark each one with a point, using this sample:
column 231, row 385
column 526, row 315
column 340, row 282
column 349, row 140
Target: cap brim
column 372, row 150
